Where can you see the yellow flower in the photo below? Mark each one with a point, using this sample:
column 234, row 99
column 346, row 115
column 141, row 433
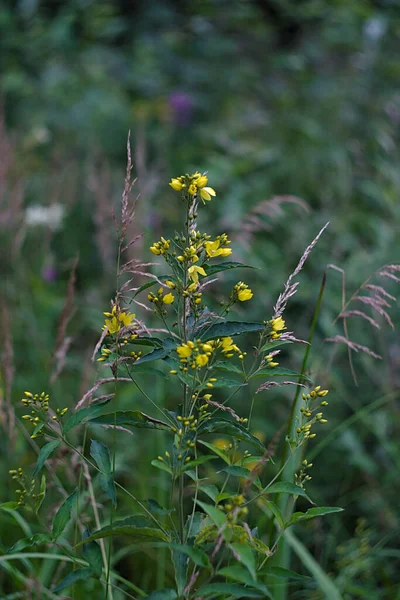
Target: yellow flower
column 244, row 295
column 206, row 193
column 176, row 184
column 277, row 324
column 213, row 249
column 201, row 360
column 168, row 298
column 192, row 189
column 117, row 320
column 160, row 247
column 184, row 351
column 194, row 272
column 170, row 284
column 155, row 250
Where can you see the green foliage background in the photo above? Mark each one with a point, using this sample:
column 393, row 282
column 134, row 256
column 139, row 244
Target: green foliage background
column 288, row 99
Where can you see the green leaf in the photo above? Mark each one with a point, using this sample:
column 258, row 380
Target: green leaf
column 272, row 345
column 101, row 455
column 139, row 534
column 216, row 515
column 155, row 508
column 9, row 506
column 143, row 287
column 230, row 428
column 180, row 562
column 193, row 463
column 228, row 366
column 236, row 591
column 146, row 370
column 161, row 465
column 92, row 553
column 237, row 471
column 227, row 329
column 168, row 345
column 210, row 490
column 199, row 557
column 224, row 266
column 224, row 383
column 81, row 416
column 130, row 418
column 238, row 573
column 42, row 493
column 278, row 372
column 287, row 487
column 312, row 513
column 217, row 451
column 283, row 573
column 35, row 540
column 165, row 594
column 63, row 515
column 71, row 578
column 275, row 511
column 246, row 556
column 44, row 455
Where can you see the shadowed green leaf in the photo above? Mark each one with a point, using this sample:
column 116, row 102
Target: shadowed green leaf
column 214, row 590
column 71, row 578
column 35, row 540
column 63, row 515
column 282, row 573
column 226, row 329
column 92, row 553
column 278, row 372
column 81, row 416
column 312, row 513
column 225, row 266
column 101, row 455
column 193, row 463
column 287, row 487
column 246, row 556
column 218, row 451
column 130, row 418
column 165, row 594
column 161, row 465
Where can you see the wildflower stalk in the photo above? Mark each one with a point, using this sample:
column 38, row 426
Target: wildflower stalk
column 289, row 464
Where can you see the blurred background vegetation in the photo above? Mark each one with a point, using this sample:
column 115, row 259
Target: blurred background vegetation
column 293, row 108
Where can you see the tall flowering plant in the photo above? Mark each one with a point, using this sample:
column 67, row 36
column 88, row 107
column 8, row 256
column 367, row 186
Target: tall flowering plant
column 229, row 504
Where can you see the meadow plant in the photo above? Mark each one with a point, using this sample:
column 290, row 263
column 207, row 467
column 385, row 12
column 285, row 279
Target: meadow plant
column 231, row 499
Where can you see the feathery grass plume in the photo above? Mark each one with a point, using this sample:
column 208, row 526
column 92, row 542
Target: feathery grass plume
column 272, row 384
column 291, row 288
column 340, row 339
column 254, row 221
column 96, row 386
column 60, row 356
column 127, row 211
column 375, row 297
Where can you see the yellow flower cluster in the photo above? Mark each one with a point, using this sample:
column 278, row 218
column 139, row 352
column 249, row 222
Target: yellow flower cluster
column 39, row 405
column 307, row 412
column 198, row 353
column 277, row 326
column 160, row 247
column 26, row 487
column 193, row 184
column 242, row 292
column 161, row 298
column 228, row 348
column 269, row 360
column 218, row 247
column 117, row 319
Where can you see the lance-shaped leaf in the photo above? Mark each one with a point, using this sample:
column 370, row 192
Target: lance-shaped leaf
column 278, row 372
column 226, row 329
column 225, row 266
column 63, row 515
column 35, row 540
column 101, row 454
column 73, row 577
column 92, row 553
column 272, row 345
column 216, row 515
column 230, row 428
column 231, row 590
column 287, row 487
column 44, row 455
column 134, row 527
column 130, row 418
column 82, row 416
column 168, row 345
column 312, row 513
